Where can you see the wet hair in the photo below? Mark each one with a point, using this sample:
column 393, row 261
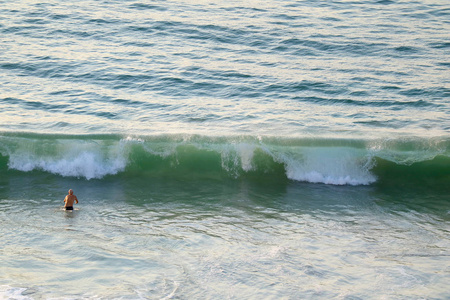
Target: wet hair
column 70, row 192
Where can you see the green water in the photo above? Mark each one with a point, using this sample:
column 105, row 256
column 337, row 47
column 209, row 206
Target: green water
column 209, row 238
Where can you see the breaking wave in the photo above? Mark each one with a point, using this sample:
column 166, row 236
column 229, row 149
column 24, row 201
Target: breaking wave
column 328, row 161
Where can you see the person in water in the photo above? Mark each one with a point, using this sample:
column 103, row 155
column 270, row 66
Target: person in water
column 69, row 200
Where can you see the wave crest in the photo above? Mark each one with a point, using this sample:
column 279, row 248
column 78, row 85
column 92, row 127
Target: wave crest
column 328, row 161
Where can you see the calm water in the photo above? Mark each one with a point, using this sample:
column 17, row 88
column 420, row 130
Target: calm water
column 238, row 150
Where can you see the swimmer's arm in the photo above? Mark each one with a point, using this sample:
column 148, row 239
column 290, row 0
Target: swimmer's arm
column 76, row 199
column 65, row 199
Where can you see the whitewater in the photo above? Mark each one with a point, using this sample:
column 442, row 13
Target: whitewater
column 239, row 150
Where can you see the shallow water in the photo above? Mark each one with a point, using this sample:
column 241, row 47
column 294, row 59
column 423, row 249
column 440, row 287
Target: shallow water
column 208, row 239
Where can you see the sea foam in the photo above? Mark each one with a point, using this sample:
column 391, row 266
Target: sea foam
column 71, row 158
column 329, row 165
column 9, row 292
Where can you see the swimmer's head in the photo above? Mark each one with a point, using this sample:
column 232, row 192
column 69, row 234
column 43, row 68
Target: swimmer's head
column 70, row 192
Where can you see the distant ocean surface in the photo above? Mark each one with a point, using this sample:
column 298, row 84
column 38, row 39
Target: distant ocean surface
column 225, row 149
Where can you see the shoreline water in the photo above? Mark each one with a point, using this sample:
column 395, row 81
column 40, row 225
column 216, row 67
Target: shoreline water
column 197, row 238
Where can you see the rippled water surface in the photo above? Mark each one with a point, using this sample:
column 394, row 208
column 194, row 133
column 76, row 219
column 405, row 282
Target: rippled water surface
column 258, row 67
column 208, row 239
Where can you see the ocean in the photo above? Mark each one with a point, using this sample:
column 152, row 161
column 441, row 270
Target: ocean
column 225, row 149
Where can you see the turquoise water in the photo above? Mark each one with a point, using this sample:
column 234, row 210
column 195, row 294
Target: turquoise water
column 275, row 150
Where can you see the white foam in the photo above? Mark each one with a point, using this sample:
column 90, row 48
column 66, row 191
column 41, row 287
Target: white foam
column 237, row 156
column 246, row 152
column 89, row 160
column 9, row 292
column 330, row 165
column 132, row 139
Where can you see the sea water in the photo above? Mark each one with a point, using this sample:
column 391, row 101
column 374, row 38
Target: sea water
column 237, row 150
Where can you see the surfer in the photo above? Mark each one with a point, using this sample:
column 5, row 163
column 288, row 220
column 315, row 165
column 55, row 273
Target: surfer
column 69, row 200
